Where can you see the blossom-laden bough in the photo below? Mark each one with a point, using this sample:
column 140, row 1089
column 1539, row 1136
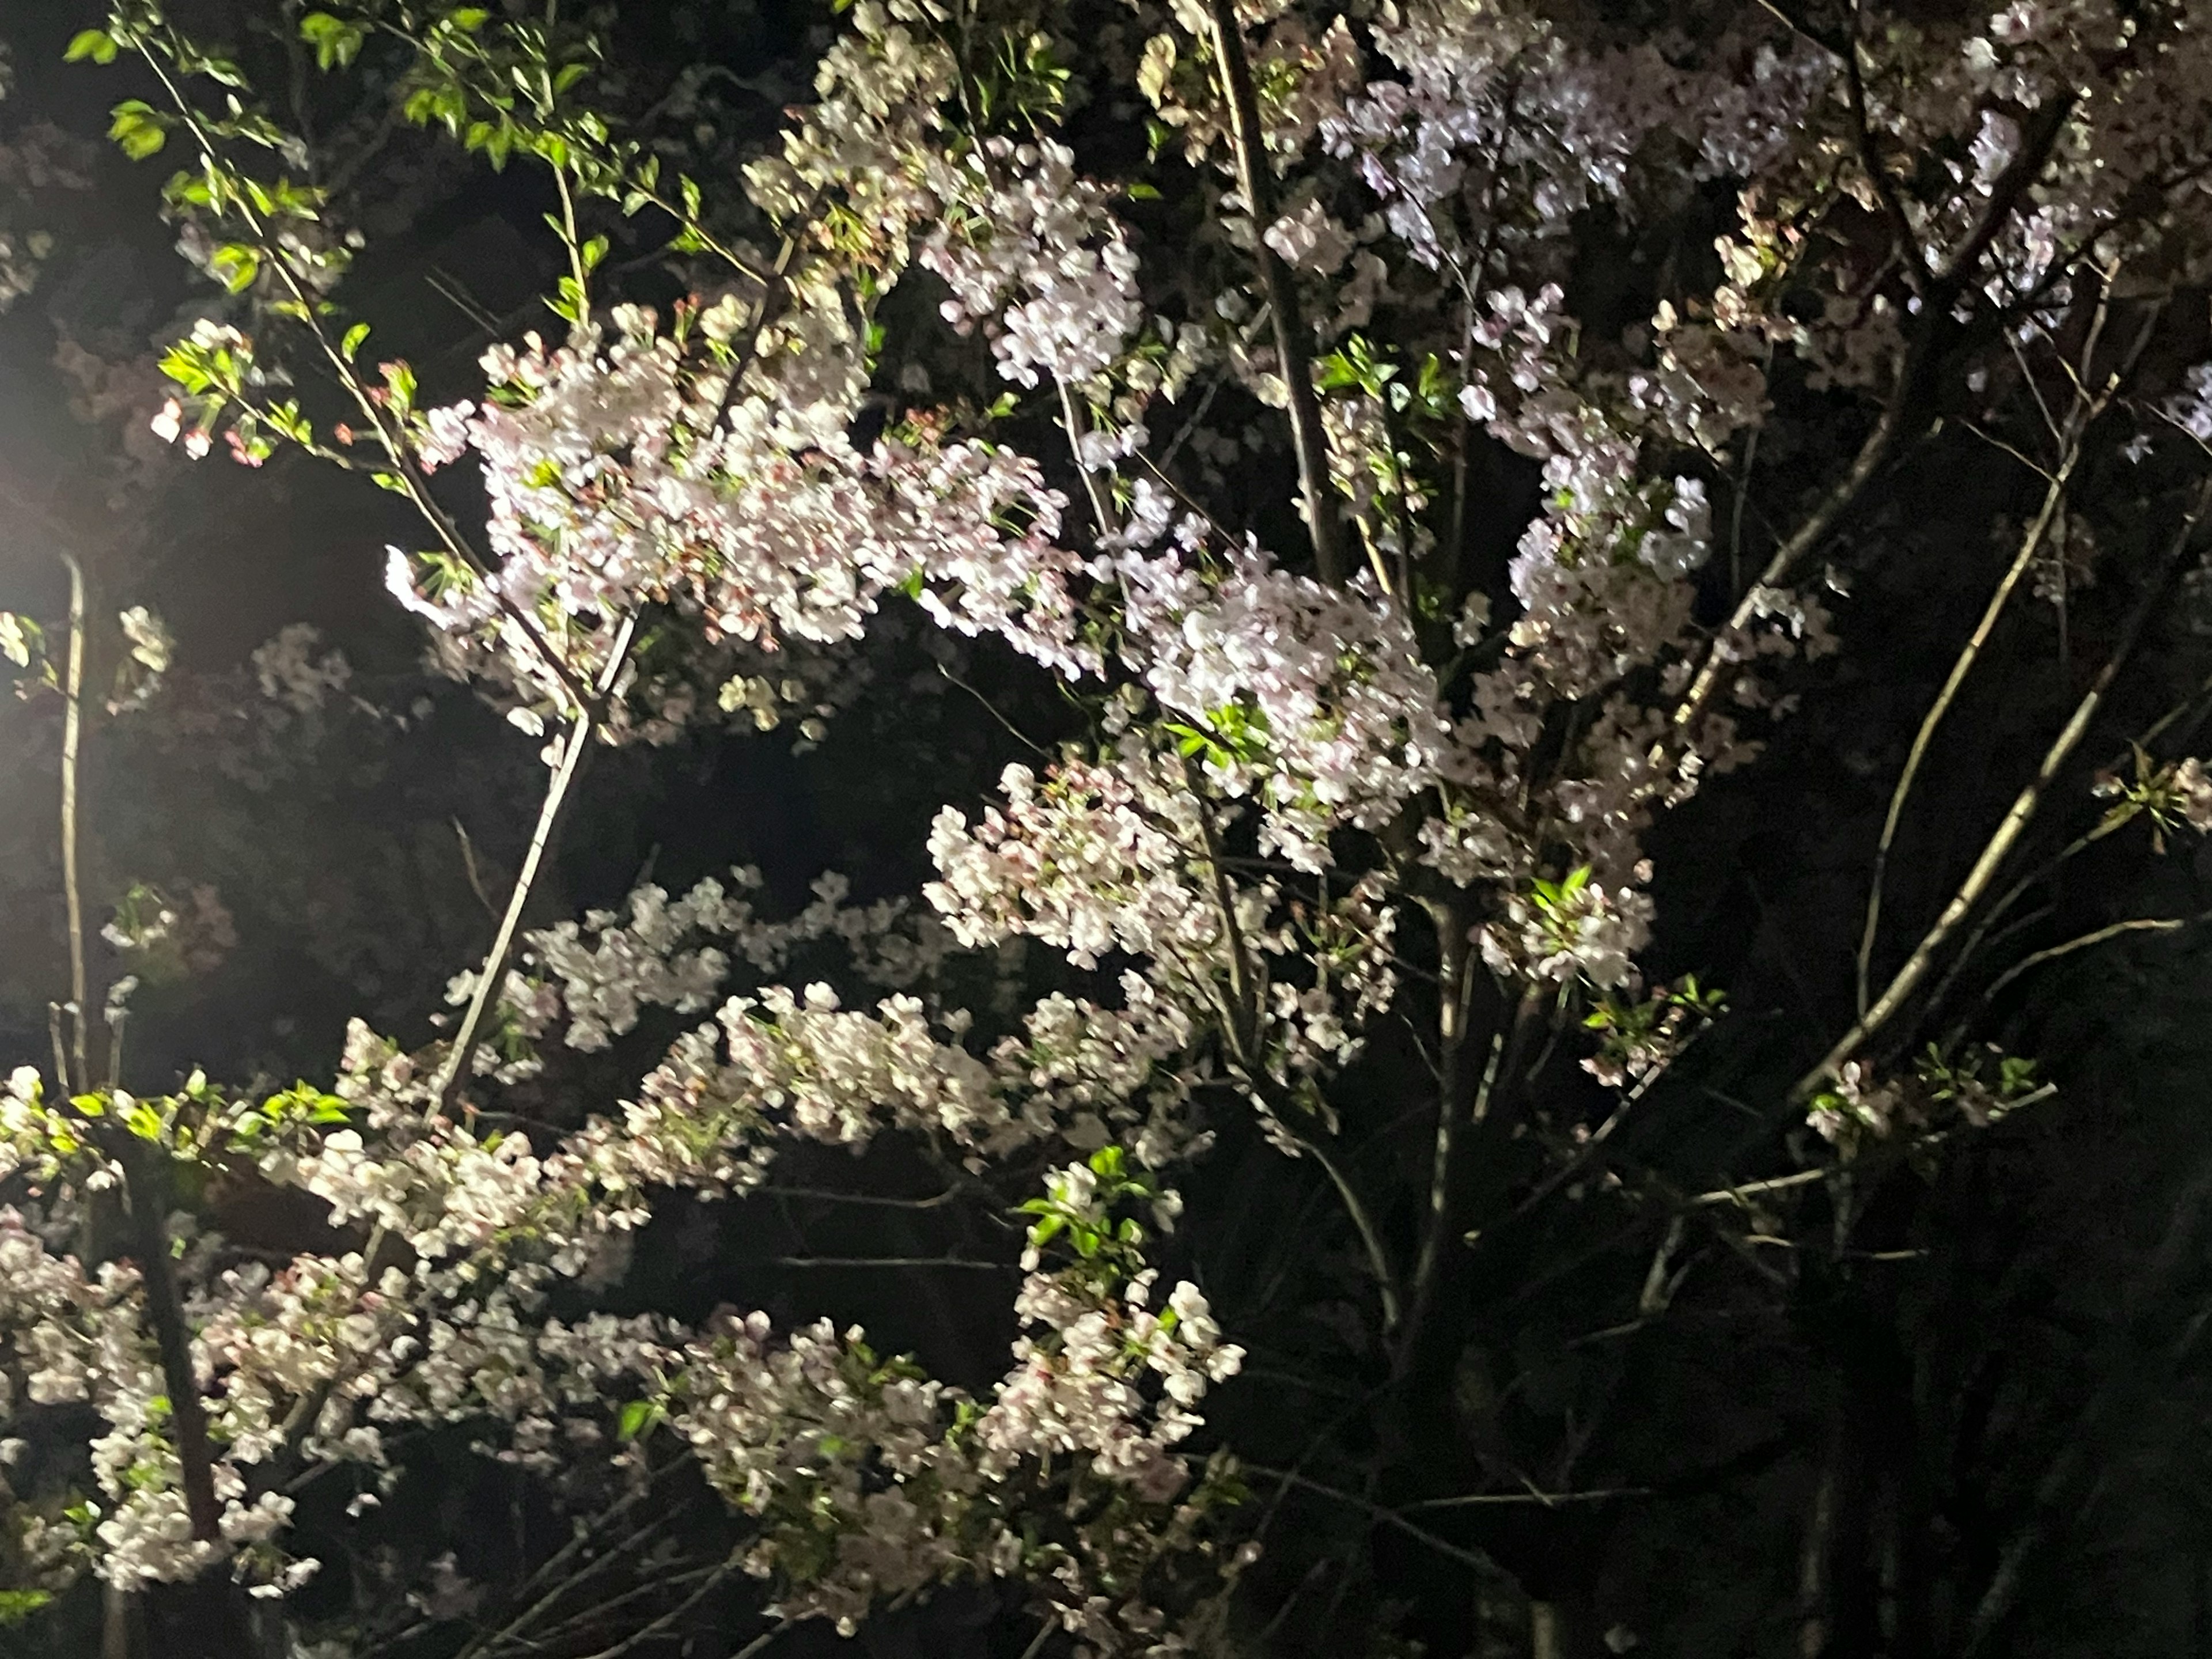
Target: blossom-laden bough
column 1351, row 780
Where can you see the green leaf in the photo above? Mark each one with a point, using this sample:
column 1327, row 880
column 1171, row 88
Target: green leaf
column 17, row 1605
column 335, row 41
column 236, row 265
column 98, row 44
column 351, row 344
column 636, row 1417
column 138, row 129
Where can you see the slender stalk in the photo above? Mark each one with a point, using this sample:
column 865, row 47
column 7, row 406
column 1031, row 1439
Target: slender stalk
column 2016, row 822
column 1370, row 1237
column 560, row 795
column 2084, row 414
column 1451, row 1023
column 2031, row 544
column 1907, row 240
column 1293, row 349
column 1095, row 488
column 1381, row 1515
column 2109, row 824
column 414, row 486
column 669, row 1618
column 85, row 1009
column 1896, row 422
column 2035, row 959
column 899, row 1261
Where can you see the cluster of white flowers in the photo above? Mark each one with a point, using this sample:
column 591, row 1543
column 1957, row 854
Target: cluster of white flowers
column 790, row 1429
column 1033, row 251
column 617, row 478
column 1577, row 928
column 1090, row 857
column 1313, row 699
column 1494, row 93
column 600, row 972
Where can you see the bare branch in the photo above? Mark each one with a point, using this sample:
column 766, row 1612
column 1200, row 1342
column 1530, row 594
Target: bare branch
column 2016, row 820
column 559, row 797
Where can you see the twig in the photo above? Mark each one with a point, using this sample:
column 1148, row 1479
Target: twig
column 560, row 795
column 668, row 1618
column 2086, row 410
column 2031, row 544
column 2035, row 959
column 1094, row 486
column 1371, row 1238
column 2016, row 820
column 1381, row 1515
column 1455, row 989
column 1902, row 412
column 405, row 470
column 896, row 1261
column 832, row 1195
column 1877, row 171
column 144, row 1186
column 1778, row 1183
column 1292, row 349
column 1550, row 1500
column 85, row 1011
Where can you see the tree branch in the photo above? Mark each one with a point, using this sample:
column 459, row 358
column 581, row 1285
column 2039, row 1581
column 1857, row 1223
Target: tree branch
column 559, row 797
column 1292, row 347
column 2016, row 820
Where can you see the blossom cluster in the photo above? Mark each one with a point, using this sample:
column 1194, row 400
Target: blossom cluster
column 600, row 971
column 628, row 472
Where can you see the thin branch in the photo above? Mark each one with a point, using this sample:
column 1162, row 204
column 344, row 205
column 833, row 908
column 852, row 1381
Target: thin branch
column 2084, row 413
column 669, row 1618
column 1902, row 413
column 1782, row 566
column 1095, row 488
column 1292, row 347
column 1370, row 1237
column 1751, row 1188
column 1550, row 1500
column 896, row 1261
column 832, row 1195
column 560, row 795
column 2035, row 959
column 2016, row 820
column 415, row 486
column 1380, row 1516
column 2031, row 545
column 146, row 1185
column 1455, row 989
column 84, row 1011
